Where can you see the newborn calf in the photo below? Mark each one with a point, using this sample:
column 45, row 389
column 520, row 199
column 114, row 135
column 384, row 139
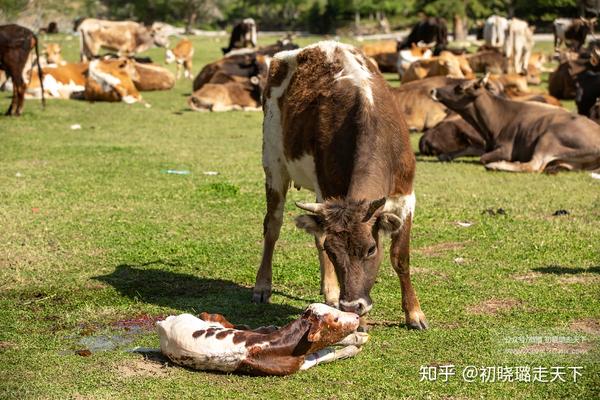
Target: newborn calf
column 212, row 343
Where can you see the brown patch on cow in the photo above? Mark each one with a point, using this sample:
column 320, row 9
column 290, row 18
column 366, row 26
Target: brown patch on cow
column 436, row 250
column 218, row 318
column 529, row 277
column 211, row 332
column 278, row 70
column 199, row 333
column 142, row 368
column 223, row 334
column 583, row 279
column 554, row 347
column 493, row 306
column 590, row 326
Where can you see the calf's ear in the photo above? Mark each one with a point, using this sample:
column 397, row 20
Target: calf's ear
column 389, row 223
column 312, row 224
column 314, row 334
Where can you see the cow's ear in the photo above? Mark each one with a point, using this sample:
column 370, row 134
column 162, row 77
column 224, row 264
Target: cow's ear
column 310, row 223
column 389, row 223
column 316, row 327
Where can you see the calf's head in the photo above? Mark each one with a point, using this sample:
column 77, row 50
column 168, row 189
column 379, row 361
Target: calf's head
column 328, row 325
column 458, row 96
column 349, row 230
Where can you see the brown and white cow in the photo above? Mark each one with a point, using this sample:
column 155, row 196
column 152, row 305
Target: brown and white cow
column 16, row 43
column 152, row 77
column 331, row 125
column 446, row 64
column 213, row 343
column 405, row 57
column 52, row 52
column 60, row 82
column 112, row 80
column 124, row 37
column 182, row 55
column 237, row 94
column 524, row 136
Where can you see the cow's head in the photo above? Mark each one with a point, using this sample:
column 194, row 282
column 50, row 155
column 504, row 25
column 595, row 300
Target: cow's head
column 350, row 229
column 328, row 325
column 160, row 36
column 52, row 52
column 460, row 95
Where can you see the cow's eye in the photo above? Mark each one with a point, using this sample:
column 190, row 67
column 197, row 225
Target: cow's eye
column 372, row 251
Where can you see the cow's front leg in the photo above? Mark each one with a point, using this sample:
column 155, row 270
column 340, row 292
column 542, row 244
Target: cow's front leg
column 276, row 186
column 330, row 286
column 400, row 256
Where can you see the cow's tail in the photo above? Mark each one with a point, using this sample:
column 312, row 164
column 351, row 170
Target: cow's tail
column 39, row 68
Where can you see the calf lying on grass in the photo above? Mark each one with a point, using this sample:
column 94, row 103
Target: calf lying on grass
column 212, row 343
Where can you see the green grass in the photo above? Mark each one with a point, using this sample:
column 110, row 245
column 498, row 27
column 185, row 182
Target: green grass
column 92, row 232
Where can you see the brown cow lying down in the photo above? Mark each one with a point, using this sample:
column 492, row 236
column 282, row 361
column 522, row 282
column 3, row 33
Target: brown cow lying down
column 447, row 64
column 452, row 138
column 112, row 80
column 384, row 54
column 237, row 94
column 213, row 343
column 152, row 77
column 524, row 137
column 60, row 82
column 406, row 57
column 496, row 63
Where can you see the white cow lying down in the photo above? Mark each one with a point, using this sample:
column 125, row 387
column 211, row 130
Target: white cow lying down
column 212, row 343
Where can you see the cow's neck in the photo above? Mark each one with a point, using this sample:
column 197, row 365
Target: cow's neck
column 482, row 114
column 286, row 341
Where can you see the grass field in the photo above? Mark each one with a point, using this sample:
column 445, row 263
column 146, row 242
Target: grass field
column 95, row 241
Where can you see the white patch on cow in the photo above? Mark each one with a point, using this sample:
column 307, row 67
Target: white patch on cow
column 304, row 174
column 401, row 206
column 129, row 99
column 106, row 80
column 357, row 73
column 366, row 307
column 51, row 85
column 169, row 56
column 406, row 57
column 177, row 342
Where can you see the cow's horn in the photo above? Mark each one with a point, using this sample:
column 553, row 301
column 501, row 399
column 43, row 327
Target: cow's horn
column 312, row 207
column 485, row 79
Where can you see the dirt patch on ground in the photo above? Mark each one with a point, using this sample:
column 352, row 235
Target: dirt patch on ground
column 529, row 277
column 557, row 348
column 493, row 306
column 438, row 249
column 590, row 326
column 4, row 345
column 143, row 367
column 584, row 278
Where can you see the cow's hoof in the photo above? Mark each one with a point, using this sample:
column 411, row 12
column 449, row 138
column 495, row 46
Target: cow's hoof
column 261, row 296
column 416, row 320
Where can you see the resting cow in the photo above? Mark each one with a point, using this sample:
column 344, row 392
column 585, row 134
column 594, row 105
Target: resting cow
column 406, row 57
column 125, row 37
column 213, row 343
column 60, row 82
column 524, row 137
column 385, row 54
column 152, row 77
column 331, row 125
column 112, row 80
column 452, row 138
column 16, row 42
column 446, row 64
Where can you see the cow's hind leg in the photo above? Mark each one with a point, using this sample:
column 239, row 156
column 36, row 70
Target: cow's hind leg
column 400, row 256
column 276, row 186
column 330, row 286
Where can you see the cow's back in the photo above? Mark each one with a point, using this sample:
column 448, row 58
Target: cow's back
column 322, row 104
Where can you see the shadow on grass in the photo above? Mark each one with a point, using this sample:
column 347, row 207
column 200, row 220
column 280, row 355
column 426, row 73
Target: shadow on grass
column 188, row 293
column 560, row 270
column 431, row 159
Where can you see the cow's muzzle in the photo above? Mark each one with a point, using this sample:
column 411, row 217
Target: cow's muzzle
column 360, row 306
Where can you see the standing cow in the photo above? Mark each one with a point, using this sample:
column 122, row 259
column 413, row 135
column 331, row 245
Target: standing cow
column 331, row 125
column 124, row 37
column 519, row 44
column 572, row 32
column 243, row 35
column 429, row 30
column 16, row 42
column 494, row 32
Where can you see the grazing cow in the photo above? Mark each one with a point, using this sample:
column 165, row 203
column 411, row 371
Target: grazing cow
column 428, row 30
column 384, row 54
column 52, row 52
column 243, row 35
column 152, row 77
column 124, row 37
column 112, row 80
column 524, row 136
column 213, row 343
column 572, row 32
column 446, row 64
column 331, row 125
column 16, row 43
column 406, row 57
column 416, row 105
column 519, row 44
column 61, row 81
column 494, row 32
column 452, row 138
column 182, row 55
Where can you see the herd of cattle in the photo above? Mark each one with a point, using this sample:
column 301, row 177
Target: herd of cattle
column 477, row 124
